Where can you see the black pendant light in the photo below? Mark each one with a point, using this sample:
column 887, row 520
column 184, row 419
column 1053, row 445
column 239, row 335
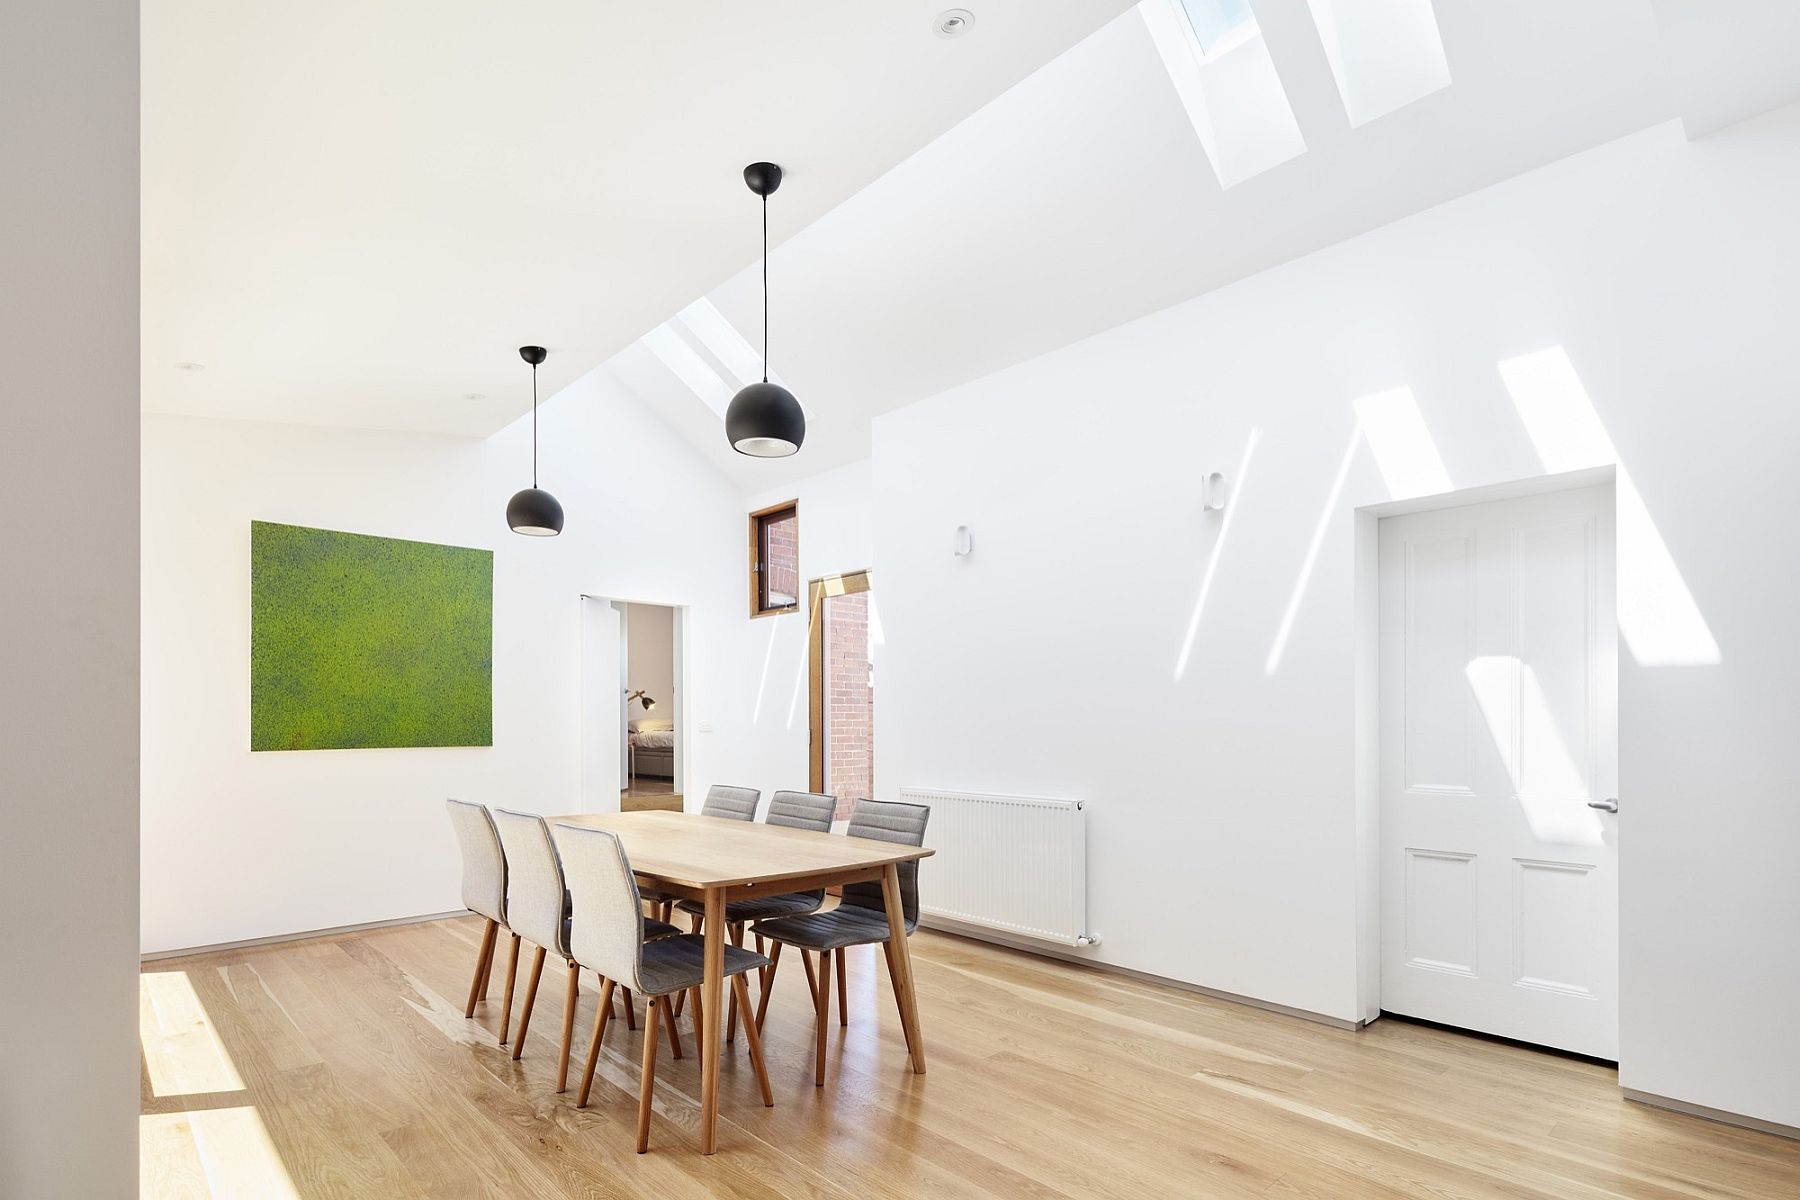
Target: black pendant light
column 534, row 512
column 764, row 420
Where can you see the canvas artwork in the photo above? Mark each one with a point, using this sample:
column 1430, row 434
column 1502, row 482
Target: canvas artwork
column 360, row 642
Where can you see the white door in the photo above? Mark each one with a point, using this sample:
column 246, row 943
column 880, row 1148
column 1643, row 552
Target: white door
column 1499, row 721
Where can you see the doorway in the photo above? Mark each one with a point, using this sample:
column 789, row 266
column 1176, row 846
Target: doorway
column 647, row 690
column 1498, row 768
column 842, row 691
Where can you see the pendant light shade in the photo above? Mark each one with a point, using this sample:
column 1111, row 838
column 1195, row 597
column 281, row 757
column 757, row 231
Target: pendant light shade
column 764, row 420
column 533, row 511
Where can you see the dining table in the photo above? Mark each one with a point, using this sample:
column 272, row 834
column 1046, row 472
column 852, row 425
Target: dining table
column 714, row 861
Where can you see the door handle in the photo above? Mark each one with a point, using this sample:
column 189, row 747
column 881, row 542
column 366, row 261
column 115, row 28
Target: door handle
column 1610, row 804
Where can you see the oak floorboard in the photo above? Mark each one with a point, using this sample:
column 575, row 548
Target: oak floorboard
column 1049, row 1081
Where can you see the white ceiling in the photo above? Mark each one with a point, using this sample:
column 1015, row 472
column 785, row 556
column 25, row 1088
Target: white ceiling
column 354, row 213
column 356, row 210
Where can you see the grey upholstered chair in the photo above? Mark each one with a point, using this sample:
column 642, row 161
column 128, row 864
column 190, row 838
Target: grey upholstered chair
column 859, row 919
column 539, row 905
column 483, row 885
column 794, row 810
column 608, row 909
column 722, row 800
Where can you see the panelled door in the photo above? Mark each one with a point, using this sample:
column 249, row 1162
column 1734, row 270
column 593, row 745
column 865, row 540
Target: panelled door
column 1499, row 765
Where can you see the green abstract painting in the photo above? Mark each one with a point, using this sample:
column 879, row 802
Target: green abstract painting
column 359, row 641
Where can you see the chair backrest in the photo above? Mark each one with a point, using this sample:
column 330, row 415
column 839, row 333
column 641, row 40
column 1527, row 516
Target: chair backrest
column 483, row 861
column 888, row 821
column 801, row 810
column 607, row 935
column 535, row 898
column 733, row 803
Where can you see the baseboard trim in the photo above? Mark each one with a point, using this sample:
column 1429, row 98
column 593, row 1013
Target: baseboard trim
column 307, row 935
column 977, row 933
column 1712, row 1114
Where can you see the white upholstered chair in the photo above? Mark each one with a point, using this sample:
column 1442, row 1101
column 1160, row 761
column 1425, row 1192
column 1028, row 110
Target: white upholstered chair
column 604, row 938
column 483, row 885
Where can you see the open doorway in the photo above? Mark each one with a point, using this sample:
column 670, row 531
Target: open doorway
column 842, row 692
column 647, row 689
column 1497, row 719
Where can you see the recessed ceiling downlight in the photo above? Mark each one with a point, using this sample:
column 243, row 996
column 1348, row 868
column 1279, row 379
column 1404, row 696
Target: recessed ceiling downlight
column 952, row 22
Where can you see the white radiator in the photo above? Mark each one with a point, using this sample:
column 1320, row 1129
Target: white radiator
column 1009, row 863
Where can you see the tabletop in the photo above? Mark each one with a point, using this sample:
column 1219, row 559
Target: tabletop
column 708, row 852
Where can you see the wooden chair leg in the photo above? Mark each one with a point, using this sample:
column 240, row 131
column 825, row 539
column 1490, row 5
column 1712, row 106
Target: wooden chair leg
column 754, row 1039
column 812, row 979
column 601, row 1013
column 695, row 993
column 483, row 960
column 768, row 985
column 664, row 1004
column 821, row 1014
column 571, row 997
column 630, row 1012
column 512, row 971
column 537, row 969
column 737, row 939
column 888, row 949
column 647, row 1085
column 843, row 989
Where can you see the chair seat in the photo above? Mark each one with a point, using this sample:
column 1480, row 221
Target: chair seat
column 762, row 908
column 675, row 963
column 831, row 930
column 654, row 929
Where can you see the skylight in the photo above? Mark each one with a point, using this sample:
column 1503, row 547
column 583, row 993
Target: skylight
column 1219, row 63
column 1384, row 54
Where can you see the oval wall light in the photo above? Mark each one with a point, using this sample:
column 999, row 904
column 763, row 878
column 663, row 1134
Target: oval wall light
column 533, row 511
column 764, row 420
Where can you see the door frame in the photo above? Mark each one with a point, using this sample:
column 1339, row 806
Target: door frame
column 603, row 700
column 1367, row 649
column 848, row 583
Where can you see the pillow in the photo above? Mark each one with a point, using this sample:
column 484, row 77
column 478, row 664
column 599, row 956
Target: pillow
column 653, row 725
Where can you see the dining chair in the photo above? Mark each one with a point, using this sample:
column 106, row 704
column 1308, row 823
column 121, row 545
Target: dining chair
column 608, row 907
column 859, row 919
column 722, row 800
column 792, row 810
column 483, row 885
column 539, row 905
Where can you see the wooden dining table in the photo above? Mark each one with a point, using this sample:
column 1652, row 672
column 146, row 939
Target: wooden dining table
column 715, row 861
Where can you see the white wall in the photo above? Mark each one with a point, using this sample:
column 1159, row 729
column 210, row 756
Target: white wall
column 239, row 845
column 835, row 538
column 650, row 630
column 1223, row 820
column 68, row 686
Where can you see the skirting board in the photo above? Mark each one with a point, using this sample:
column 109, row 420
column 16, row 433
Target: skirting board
column 1712, row 1114
column 308, row 935
column 981, row 934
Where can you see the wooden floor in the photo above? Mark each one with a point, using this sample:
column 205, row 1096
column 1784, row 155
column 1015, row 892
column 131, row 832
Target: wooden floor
column 344, row 1067
column 649, row 793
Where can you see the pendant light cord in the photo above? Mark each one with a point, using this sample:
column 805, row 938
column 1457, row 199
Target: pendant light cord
column 534, row 368
column 765, row 201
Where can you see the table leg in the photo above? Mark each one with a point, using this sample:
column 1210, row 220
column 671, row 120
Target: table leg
column 712, row 1016
column 902, row 960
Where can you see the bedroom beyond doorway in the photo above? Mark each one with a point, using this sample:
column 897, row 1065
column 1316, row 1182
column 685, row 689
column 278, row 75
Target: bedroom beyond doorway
column 648, row 671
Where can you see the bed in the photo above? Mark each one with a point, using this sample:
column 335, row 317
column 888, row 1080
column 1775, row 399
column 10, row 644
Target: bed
column 653, row 748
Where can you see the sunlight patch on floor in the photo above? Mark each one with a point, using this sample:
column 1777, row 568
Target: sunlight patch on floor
column 212, row 1154
column 182, row 1051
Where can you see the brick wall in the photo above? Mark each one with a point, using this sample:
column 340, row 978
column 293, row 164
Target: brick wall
column 782, row 563
column 850, row 705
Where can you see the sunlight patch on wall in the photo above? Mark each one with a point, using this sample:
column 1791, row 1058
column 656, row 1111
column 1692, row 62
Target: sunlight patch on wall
column 1551, row 788
column 1404, row 451
column 1384, row 54
column 182, row 1050
column 1212, row 559
column 762, row 685
column 222, row 1153
column 1658, row 617
column 1336, row 493
column 1229, row 88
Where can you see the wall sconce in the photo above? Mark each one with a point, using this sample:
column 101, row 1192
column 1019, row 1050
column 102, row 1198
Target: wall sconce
column 965, row 542
column 1212, row 493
